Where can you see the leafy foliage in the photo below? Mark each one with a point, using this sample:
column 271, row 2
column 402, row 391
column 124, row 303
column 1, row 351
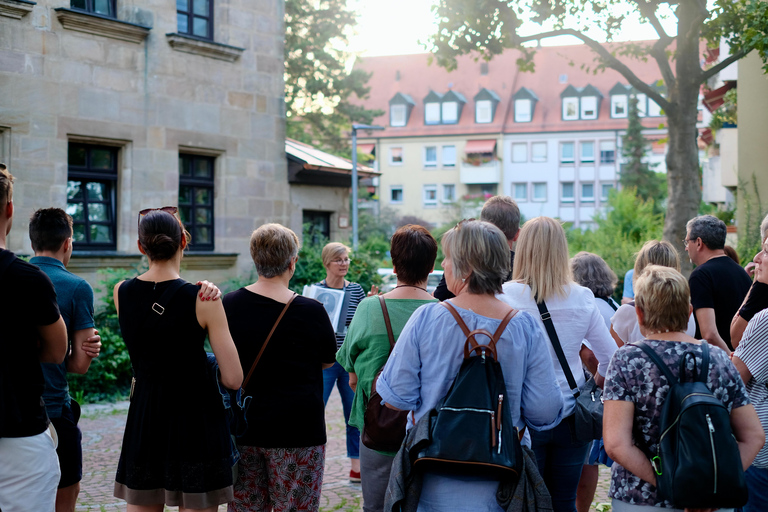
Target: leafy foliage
column 629, row 222
column 637, row 172
column 727, row 113
column 109, row 376
column 318, row 87
column 754, row 212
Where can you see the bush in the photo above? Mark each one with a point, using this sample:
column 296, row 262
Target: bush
column 109, row 377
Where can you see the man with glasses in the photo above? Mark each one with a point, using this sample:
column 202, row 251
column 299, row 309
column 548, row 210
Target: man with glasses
column 33, row 332
column 718, row 284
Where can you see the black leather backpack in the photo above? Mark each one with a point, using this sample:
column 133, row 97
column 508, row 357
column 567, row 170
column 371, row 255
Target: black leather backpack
column 471, row 429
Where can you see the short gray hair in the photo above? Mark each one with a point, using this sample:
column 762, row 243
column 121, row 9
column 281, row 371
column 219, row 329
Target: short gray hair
column 591, row 271
column 273, row 246
column 479, row 253
column 709, row 228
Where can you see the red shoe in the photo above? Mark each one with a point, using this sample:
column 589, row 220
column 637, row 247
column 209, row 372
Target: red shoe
column 354, row 476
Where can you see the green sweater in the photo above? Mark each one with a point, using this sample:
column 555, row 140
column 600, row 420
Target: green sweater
column 366, row 347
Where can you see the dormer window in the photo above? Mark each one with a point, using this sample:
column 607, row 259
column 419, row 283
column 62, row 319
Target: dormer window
column 483, row 111
column 522, row 111
column 570, row 109
column 619, row 106
column 642, row 101
column 589, row 107
column 397, row 115
column 450, row 112
column 432, row 113
column 654, row 110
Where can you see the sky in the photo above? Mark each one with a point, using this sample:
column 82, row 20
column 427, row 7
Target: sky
column 395, row 27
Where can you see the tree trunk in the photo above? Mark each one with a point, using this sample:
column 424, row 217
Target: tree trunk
column 683, row 177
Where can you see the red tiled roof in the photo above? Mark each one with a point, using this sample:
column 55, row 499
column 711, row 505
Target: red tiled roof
column 417, row 77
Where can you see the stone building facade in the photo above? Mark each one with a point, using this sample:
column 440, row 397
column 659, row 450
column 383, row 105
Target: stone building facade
column 108, row 107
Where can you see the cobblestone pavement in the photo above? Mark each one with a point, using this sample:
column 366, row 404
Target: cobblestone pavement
column 103, row 426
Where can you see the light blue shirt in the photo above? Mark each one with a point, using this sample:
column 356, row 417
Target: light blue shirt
column 629, row 292
column 429, row 353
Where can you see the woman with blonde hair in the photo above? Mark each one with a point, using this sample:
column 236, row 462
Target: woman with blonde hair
column 624, row 326
column 287, row 340
column 542, row 276
column 430, row 351
column 636, row 388
column 336, row 261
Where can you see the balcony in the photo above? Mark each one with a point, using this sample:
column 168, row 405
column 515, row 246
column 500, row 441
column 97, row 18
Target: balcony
column 482, row 173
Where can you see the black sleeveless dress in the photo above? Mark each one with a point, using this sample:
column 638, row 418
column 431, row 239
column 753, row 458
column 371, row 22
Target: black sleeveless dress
column 176, row 446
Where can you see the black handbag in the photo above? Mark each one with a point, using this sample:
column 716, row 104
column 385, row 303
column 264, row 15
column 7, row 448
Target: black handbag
column 384, row 428
column 588, row 415
column 470, row 429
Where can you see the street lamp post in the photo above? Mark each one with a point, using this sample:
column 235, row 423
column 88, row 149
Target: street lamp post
column 356, row 127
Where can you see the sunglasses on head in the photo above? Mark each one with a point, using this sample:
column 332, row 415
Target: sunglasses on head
column 167, row 209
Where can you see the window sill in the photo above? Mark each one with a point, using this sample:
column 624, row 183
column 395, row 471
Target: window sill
column 187, row 44
column 208, row 261
column 93, row 261
column 15, row 9
column 101, row 25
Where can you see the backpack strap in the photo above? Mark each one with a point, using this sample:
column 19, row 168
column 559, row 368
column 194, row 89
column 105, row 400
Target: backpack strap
column 547, row 319
column 471, row 340
column 387, row 323
column 269, row 337
column 657, row 360
column 609, row 302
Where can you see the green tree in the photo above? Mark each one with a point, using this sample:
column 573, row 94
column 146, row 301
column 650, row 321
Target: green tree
column 637, row 172
column 318, row 86
column 492, row 26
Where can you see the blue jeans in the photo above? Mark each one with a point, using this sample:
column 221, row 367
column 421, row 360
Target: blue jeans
column 560, row 462
column 757, row 484
column 336, row 375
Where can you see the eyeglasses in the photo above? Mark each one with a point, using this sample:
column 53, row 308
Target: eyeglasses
column 167, row 209
column 342, row 262
column 686, row 241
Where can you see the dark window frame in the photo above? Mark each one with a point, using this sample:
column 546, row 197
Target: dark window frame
column 313, row 234
column 197, row 183
column 90, row 8
column 88, row 174
column 190, row 14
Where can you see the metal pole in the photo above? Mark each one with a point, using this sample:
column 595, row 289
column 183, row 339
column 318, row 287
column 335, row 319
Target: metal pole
column 354, row 189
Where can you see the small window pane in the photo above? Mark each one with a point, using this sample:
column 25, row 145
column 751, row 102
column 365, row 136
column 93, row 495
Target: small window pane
column 96, row 191
column 589, row 107
column 587, row 192
column 450, row 112
column 522, row 111
column 185, row 195
column 449, row 193
column 200, row 27
column 101, row 7
column 567, row 152
column 397, row 115
column 567, row 191
column 101, row 159
column 203, row 168
column 76, row 156
column 74, row 192
column 587, row 151
column 97, row 212
column 100, row 233
column 619, row 105
column 78, row 4
column 430, row 156
column 203, row 196
column 203, row 216
column 75, row 210
column 201, row 7
column 182, row 5
column 539, row 152
column 182, row 20
column 520, row 191
column 449, row 156
column 484, row 111
column 539, row 191
column 78, row 232
column 519, row 152
column 605, row 191
column 396, row 195
column 397, row 155
column 432, row 113
column 185, row 213
column 184, row 167
column 202, row 235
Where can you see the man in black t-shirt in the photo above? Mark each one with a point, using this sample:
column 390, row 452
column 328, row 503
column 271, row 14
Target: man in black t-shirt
column 502, row 212
column 32, row 332
column 718, row 284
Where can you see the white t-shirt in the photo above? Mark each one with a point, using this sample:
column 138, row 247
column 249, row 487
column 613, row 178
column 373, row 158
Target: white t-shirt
column 625, row 324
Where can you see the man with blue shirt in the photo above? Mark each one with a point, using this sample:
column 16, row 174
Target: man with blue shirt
column 50, row 231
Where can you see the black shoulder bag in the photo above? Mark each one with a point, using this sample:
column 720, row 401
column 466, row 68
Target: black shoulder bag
column 589, row 398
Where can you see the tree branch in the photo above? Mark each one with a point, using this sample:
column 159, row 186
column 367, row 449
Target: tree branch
column 706, row 75
column 659, row 53
column 610, row 61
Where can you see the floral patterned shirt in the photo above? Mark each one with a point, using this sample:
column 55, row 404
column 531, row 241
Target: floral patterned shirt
column 633, row 377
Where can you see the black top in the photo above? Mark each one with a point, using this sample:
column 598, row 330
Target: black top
column 287, row 409
column 719, row 283
column 443, row 293
column 29, row 301
column 176, row 435
column 756, row 301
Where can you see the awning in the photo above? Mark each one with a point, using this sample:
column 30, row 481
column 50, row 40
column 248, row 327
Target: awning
column 714, row 99
column 365, row 148
column 707, row 137
column 480, row 146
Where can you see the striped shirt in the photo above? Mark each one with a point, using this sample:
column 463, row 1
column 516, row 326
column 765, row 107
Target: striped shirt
column 753, row 351
column 356, row 294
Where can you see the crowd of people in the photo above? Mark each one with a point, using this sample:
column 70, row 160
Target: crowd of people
column 556, row 328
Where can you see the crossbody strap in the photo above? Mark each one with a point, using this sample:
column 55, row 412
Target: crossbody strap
column 609, row 302
column 547, row 319
column 269, row 336
column 387, row 323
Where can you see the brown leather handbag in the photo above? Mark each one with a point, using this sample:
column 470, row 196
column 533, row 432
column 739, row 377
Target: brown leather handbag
column 384, row 427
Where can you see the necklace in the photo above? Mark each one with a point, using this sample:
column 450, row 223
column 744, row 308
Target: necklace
column 411, row 286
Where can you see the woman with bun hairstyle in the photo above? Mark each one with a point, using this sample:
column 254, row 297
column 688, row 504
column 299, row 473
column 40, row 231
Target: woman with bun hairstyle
column 176, row 447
